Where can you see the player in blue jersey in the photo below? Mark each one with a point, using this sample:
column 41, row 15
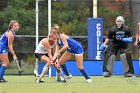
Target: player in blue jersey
column 70, row 46
column 6, row 43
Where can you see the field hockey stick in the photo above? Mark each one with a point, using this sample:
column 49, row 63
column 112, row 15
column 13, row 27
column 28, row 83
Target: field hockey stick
column 19, row 68
column 61, row 72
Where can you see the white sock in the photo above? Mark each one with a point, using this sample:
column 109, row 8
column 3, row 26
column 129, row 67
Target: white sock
column 44, row 71
column 58, row 76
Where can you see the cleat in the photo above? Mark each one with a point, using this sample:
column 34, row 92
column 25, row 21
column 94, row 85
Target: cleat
column 89, row 81
column 68, row 77
column 107, row 74
column 39, row 81
column 61, row 80
column 128, row 74
column 2, row 80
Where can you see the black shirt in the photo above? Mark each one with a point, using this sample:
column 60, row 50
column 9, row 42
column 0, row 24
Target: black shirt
column 117, row 33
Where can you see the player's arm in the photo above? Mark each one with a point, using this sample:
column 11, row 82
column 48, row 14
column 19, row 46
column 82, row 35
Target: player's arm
column 128, row 39
column 10, row 44
column 106, row 41
column 104, row 46
column 48, row 48
column 65, row 43
column 56, row 48
column 137, row 33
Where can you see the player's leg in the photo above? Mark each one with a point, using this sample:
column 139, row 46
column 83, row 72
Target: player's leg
column 139, row 56
column 44, row 58
column 109, row 59
column 36, row 69
column 66, row 56
column 79, row 64
column 5, row 62
column 108, row 64
column 58, row 72
column 126, row 63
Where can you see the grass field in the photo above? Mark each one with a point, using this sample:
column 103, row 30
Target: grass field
column 114, row 84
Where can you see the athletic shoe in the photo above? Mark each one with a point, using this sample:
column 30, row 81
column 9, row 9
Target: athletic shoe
column 61, row 80
column 107, row 74
column 89, row 81
column 68, row 77
column 128, row 74
column 39, row 80
column 2, row 80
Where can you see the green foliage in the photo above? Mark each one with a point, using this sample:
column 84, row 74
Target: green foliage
column 21, row 11
column 69, row 16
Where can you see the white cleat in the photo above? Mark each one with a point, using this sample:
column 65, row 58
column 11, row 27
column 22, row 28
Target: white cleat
column 89, row 81
column 68, row 77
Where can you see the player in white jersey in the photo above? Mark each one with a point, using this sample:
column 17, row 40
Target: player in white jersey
column 43, row 53
column 137, row 42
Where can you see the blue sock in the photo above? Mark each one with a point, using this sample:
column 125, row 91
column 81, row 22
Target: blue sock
column 2, row 71
column 84, row 73
column 64, row 67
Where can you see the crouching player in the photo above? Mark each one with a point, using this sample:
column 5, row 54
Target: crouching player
column 121, row 36
column 43, row 53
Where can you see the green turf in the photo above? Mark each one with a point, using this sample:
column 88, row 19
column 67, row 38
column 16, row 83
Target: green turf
column 115, row 84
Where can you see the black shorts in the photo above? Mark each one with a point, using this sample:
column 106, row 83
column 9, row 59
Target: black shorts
column 39, row 55
column 138, row 45
column 122, row 48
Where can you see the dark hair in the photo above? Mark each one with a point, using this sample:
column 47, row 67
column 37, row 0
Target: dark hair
column 11, row 23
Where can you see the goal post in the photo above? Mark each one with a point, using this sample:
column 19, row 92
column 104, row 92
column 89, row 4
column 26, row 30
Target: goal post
column 37, row 27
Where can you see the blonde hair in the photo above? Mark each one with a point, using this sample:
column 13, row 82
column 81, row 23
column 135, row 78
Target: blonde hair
column 11, row 23
column 54, row 31
column 55, row 26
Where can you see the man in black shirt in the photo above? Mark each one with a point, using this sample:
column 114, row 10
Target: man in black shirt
column 121, row 36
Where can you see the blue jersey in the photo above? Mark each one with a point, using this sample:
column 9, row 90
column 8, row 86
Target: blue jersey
column 4, row 43
column 74, row 46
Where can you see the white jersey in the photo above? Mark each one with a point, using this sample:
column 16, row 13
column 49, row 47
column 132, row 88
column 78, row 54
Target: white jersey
column 41, row 48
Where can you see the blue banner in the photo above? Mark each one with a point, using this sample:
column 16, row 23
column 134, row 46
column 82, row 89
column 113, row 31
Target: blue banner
column 95, row 38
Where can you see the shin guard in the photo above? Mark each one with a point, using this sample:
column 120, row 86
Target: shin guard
column 109, row 60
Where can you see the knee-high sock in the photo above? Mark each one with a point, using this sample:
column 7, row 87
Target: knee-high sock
column 44, row 71
column 84, row 73
column 2, row 71
column 64, row 67
column 58, row 76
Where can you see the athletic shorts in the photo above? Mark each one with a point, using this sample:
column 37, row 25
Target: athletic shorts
column 39, row 55
column 77, row 50
column 138, row 45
